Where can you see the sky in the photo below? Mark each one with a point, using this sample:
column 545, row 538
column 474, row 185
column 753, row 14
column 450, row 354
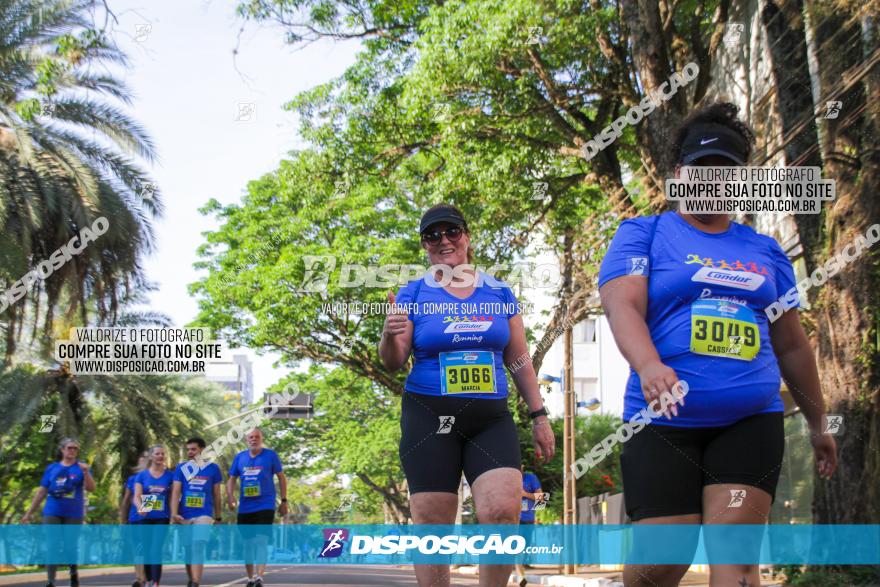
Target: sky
column 216, row 119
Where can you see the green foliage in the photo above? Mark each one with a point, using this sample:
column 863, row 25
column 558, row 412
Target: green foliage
column 114, row 418
column 69, row 154
column 354, row 434
column 604, row 478
column 836, row 576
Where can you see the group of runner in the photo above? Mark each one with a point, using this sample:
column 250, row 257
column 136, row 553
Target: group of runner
column 674, row 317
column 685, row 297
column 156, row 495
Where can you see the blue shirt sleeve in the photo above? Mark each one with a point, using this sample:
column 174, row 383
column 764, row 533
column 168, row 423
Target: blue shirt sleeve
column 509, row 298
column 178, row 473
column 628, row 252
column 406, row 296
column 785, row 279
column 276, row 463
column 218, row 475
column 234, row 469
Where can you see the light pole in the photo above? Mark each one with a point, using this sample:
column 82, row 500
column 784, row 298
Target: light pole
column 569, row 494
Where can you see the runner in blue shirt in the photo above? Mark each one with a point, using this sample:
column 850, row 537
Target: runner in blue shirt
column 462, row 328
column 195, row 500
column 152, row 494
column 531, row 490
column 257, row 467
column 62, row 486
column 685, row 297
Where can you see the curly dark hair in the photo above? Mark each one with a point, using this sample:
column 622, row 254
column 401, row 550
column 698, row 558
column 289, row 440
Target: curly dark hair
column 723, row 113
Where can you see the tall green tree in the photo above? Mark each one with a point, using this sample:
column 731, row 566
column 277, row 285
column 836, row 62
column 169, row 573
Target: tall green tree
column 473, row 102
column 69, row 154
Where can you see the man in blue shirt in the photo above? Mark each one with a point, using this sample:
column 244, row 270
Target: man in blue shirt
column 195, row 499
column 256, row 466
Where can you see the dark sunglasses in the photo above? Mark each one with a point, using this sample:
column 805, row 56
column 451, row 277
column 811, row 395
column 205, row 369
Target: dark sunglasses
column 435, row 236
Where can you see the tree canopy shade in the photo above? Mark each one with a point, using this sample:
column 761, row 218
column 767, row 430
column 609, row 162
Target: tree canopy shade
column 474, row 102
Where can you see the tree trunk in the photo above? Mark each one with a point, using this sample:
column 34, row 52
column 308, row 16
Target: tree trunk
column 842, row 321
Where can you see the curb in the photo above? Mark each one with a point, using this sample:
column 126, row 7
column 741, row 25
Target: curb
column 568, row 581
column 551, row 580
column 64, row 574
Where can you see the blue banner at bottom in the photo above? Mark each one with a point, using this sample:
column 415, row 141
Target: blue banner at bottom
column 429, row 544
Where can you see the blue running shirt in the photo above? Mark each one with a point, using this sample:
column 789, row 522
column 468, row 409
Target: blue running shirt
column 706, row 299
column 466, row 337
column 156, row 494
column 197, row 493
column 65, row 486
column 257, row 491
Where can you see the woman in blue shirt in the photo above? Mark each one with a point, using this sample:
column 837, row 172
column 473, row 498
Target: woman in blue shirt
column 62, row 486
column 685, row 297
column 462, row 328
column 152, row 494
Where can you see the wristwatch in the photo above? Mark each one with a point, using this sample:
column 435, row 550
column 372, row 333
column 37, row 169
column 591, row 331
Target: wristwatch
column 283, row 500
column 537, row 413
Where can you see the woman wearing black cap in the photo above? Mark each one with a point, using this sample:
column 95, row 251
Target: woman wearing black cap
column 685, row 297
column 462, row 327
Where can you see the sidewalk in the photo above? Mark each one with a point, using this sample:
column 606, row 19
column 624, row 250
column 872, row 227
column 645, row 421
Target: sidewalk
column 590, row 576
column 64, row 574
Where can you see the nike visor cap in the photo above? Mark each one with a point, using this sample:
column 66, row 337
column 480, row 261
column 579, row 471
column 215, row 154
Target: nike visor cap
column 441, row 213
column 713, row 139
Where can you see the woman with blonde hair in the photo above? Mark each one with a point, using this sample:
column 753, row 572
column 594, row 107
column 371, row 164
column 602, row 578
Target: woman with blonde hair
column 152, row 493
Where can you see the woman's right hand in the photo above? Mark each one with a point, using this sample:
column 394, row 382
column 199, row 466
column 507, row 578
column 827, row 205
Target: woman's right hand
column 395, row 321
column 26, row 519
column 656, row 378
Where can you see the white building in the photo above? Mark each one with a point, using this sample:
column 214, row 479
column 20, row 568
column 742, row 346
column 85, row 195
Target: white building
column 600, row 371
column 235, row 375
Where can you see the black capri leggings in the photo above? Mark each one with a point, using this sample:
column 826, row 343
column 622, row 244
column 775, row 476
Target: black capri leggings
column 154, row 541
column 61, row 543
column 442, row 436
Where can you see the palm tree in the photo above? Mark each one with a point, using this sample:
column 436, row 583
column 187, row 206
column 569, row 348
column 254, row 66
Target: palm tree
column 68, row 155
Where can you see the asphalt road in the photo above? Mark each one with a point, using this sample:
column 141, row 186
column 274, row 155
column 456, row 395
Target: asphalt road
column 227, row 576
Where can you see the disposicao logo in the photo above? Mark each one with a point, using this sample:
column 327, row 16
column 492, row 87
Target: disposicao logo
column 334, row 542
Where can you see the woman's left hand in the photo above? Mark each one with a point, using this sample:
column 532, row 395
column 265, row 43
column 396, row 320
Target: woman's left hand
column 545, row 441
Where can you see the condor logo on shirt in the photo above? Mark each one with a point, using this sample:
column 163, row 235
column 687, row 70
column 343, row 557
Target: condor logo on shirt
column 469, row 326
column 737, row 279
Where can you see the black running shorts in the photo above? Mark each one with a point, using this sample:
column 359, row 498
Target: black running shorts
column 442, row 436
column 665, row 468
column 260, row 518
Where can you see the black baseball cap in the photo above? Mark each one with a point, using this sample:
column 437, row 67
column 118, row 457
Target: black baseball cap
column 441, row 213
column 714, row 139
